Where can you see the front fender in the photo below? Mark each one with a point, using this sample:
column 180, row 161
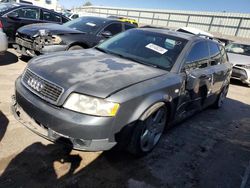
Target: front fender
column 140, row 109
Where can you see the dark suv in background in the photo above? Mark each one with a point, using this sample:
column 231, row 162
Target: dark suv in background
column 16, row 15
column 81, row 33
column 125, row 91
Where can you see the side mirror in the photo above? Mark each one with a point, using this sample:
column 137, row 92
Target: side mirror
column 13, row 15
column 106, row 34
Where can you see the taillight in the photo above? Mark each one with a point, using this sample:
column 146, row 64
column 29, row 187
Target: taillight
column 1, row 25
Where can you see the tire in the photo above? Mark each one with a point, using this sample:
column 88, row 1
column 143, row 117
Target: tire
column 75, row 47
column 147, row 133
column 221, row 97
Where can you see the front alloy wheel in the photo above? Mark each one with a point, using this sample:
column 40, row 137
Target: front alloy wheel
column 147, row 133
column 221, row 98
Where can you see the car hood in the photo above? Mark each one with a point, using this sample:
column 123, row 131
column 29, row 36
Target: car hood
column 91, row 72
column 53, row 29
column 238, row 59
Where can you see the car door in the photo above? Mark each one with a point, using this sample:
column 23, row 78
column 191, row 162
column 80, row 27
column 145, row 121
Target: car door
column 198, row 78
column 218, row 60
column 20, row 17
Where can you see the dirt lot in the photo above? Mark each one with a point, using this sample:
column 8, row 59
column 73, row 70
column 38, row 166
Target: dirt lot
column 211, row 149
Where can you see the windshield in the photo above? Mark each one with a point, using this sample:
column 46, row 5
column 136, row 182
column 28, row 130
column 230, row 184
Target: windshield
column 242, row 49
column 150, row 48
column 85, row 24
column 4, row 7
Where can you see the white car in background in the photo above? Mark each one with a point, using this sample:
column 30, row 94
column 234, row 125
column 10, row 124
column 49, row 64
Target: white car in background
column 239, row 55
column 194, row 31
column 3, row 42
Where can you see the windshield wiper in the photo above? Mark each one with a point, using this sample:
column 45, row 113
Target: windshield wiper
column 102, row 50
column 141, row 62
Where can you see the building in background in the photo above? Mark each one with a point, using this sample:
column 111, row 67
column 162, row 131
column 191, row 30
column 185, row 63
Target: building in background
column 220, row 24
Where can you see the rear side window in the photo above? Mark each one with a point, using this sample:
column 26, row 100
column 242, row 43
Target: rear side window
column 127, row 27
column 114, row 28
column 214, row 53
column 75, row 16
column 224, row 58
column 64, row 20
column 27, row 13
column 51, row 17
column 199, row 52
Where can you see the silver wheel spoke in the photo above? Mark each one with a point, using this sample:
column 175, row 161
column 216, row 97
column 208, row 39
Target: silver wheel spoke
column 154, row 127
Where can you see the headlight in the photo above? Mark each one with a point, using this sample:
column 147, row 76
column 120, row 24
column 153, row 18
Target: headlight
column 91, row 105
column 56, row 39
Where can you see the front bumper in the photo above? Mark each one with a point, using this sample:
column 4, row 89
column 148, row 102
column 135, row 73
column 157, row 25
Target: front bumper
column 86, row 132
column 32, row 52
column 242, row 74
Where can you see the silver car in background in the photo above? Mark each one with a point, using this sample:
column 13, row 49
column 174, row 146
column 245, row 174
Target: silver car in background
column 239, row 56
column 3, row 42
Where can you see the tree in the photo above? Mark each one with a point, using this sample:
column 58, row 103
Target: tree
column 87, row 3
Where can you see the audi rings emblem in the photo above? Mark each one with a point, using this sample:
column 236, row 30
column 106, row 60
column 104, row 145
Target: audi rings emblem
column 35, row 84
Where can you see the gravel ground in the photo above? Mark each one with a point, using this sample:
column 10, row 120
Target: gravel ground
column 210, row 149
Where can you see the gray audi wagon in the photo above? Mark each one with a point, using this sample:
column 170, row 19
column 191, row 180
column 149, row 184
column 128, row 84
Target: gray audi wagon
column 123, row 92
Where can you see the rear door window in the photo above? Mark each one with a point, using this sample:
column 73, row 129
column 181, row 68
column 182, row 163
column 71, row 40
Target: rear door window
column 127, row 26
column 214, row 53
column 114, row 28
column 27, row 13
column 51, row 17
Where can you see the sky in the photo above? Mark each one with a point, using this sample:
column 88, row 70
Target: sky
column 198, row 5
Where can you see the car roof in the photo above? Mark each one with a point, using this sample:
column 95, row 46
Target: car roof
column 18, row 5
column 195, row 31
column 186, row 36
column 106, row 20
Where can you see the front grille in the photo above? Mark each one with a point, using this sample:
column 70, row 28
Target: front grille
column 41, row 87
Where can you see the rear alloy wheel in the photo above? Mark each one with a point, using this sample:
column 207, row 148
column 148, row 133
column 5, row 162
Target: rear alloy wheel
column 221, row 98
column 147, row 133
column 75, row 47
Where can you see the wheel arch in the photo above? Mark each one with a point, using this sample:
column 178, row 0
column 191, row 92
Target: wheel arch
column 152, row 104
column 82, row 44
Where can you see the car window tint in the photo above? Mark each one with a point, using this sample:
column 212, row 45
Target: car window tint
column 64, row 20
column 151, row 48
column 198, row 52
column 114, row 28
column 241, row 49
column 214, row 53
column 127, row 27
column 75, row 16
column 224, row 57
column 49, row 16
column 28, row 13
